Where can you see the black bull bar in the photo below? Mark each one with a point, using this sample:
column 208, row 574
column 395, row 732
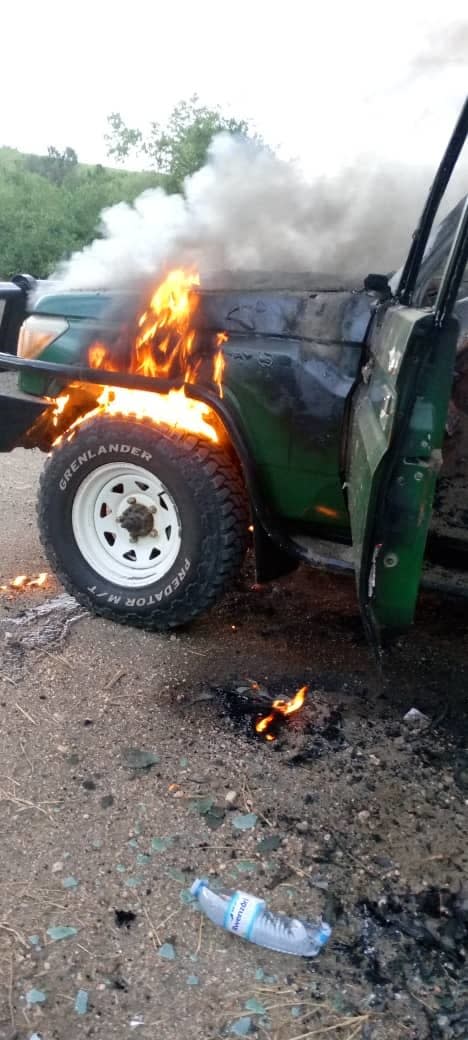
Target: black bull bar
column 18, row 412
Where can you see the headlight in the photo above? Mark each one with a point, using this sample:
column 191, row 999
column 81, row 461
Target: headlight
column 37, row 332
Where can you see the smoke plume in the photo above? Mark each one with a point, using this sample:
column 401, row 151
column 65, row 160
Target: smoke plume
column 247, row 210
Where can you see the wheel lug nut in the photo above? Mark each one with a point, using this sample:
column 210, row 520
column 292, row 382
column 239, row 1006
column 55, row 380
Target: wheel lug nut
column 152, row 509
column 131, row 501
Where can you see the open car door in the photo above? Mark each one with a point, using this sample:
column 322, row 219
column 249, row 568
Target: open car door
column 397, row 423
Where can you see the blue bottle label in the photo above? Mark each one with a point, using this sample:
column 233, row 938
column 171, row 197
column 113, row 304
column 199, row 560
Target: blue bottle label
column 241, row 913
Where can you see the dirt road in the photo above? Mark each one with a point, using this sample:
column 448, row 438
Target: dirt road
column 352, row 812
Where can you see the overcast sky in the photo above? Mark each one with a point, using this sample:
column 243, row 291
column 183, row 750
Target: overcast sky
column 322, row 81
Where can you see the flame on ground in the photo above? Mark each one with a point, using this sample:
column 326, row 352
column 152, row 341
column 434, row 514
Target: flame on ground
column 23, row 581
column 280, row 708
column 164, row 346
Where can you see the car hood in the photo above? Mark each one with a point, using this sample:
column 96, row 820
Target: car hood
column 89, row 305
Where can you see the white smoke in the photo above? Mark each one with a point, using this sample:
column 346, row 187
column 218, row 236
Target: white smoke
column 247, row 210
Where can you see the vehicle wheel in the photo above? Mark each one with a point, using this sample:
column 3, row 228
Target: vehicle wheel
column 145, row 526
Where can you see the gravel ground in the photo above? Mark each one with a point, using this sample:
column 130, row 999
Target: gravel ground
column 352, row 812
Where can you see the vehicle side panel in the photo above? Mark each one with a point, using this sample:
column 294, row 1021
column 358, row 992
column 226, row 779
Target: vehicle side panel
column 292, row 359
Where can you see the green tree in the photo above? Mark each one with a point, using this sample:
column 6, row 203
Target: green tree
column 94, row 188
column 177, row 148
column 50, row 205
column 45, row 215
column 33, row 225
column 56, row 166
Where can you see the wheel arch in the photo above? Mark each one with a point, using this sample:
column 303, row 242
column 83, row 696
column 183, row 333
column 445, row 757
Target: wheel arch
column 275, row 554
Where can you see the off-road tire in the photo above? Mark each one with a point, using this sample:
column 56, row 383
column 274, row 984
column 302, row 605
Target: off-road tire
column 204, row 481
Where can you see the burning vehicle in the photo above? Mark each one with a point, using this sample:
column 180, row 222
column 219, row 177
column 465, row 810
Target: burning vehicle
column 329, row 420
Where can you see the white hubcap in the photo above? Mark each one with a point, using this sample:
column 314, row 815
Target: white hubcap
column 126, row 524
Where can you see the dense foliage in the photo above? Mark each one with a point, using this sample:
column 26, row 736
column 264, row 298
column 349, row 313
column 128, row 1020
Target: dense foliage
column 50, row 204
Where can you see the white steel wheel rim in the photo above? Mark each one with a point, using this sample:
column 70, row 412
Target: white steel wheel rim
column 100, row 502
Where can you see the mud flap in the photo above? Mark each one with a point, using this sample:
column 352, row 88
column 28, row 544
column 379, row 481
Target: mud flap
column 271, row 562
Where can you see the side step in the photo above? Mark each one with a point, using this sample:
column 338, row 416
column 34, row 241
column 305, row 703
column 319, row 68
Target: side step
column 338, row 558
column 326, row 556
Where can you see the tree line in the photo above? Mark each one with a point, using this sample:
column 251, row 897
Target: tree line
column 50, row 204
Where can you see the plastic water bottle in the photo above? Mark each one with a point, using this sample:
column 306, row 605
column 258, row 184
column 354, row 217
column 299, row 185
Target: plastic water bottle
column 248, row 916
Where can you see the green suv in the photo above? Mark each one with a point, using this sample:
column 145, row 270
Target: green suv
column 337, row 436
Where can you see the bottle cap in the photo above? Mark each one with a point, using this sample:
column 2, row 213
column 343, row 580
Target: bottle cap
column 198, row 884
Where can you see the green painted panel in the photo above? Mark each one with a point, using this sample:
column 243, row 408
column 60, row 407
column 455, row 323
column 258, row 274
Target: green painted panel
column 396, row 436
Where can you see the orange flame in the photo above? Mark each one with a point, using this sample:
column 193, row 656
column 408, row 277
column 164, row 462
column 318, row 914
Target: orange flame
column 60, row 406
column 280, row 707
column 22, row 581
column 100, row 357
column 164, row 347
column 97, row 355
column 218, row 370
column 326, row 511
column 294, row 704
column 171, row 308
column 173, row 409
